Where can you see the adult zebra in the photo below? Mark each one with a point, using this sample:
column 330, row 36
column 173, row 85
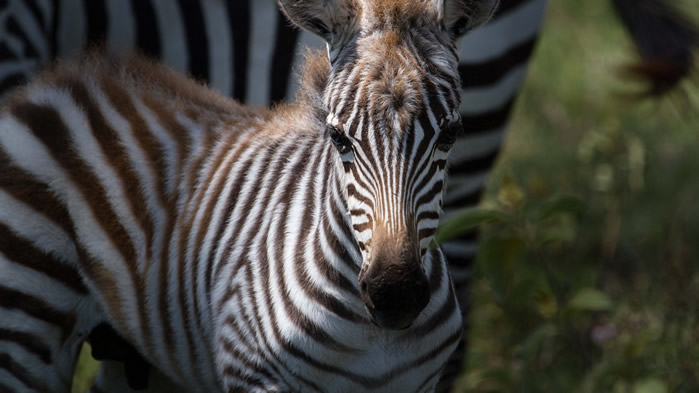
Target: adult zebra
column 241, row 250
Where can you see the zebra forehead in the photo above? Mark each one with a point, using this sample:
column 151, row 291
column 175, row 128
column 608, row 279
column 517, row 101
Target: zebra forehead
column 390, row 83
column 398, row 14
column 394, row 94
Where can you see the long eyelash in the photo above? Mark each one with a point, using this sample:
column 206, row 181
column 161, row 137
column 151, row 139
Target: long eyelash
column 339, row 139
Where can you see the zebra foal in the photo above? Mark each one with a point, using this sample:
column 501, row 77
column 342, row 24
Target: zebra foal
column 240, row 250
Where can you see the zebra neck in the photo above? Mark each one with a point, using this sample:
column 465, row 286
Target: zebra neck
column 330, row 236
column 288, row 228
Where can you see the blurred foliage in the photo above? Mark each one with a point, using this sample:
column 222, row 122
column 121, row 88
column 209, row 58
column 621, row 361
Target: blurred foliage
column 587, row 277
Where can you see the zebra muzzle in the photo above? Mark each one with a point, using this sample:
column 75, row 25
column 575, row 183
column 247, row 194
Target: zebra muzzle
column 394, row 294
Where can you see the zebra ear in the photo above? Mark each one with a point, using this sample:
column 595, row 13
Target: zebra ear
column 332, row 20
column 462, row 16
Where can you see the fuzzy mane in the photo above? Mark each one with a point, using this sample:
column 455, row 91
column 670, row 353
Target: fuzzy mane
column 313, row 77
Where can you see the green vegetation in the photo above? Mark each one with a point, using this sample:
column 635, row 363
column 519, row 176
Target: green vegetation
column 587, row 278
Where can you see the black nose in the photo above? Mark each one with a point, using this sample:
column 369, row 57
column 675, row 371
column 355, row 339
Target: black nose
column 395, row 295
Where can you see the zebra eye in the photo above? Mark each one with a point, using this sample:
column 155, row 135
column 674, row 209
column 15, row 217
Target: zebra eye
column 447, row 136
column 339, row 139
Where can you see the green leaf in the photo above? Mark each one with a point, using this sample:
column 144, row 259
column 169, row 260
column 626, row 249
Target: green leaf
column 465, row 220
column 650, row 385
column 590, row 299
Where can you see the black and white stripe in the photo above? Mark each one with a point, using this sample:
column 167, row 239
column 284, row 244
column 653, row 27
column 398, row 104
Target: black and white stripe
column 244, row 49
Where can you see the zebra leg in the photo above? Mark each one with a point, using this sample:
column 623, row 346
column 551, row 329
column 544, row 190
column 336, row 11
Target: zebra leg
column 43, row 323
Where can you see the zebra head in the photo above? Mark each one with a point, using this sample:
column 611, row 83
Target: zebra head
column 392, row 99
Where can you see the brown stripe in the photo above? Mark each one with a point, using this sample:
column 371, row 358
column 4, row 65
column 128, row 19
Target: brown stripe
column 116, row 155
column 218, row 157
column 176, row 132
column 214, row 189
column 182, row 302
column 47, row 126
column 197, row 165
column 229, row 207
column 189, row 283
column 23, row 252
column 179, row 136
column 263, row 200
column 131, row 182
column 26, row 188
column 163, row 300
column 123, row 103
